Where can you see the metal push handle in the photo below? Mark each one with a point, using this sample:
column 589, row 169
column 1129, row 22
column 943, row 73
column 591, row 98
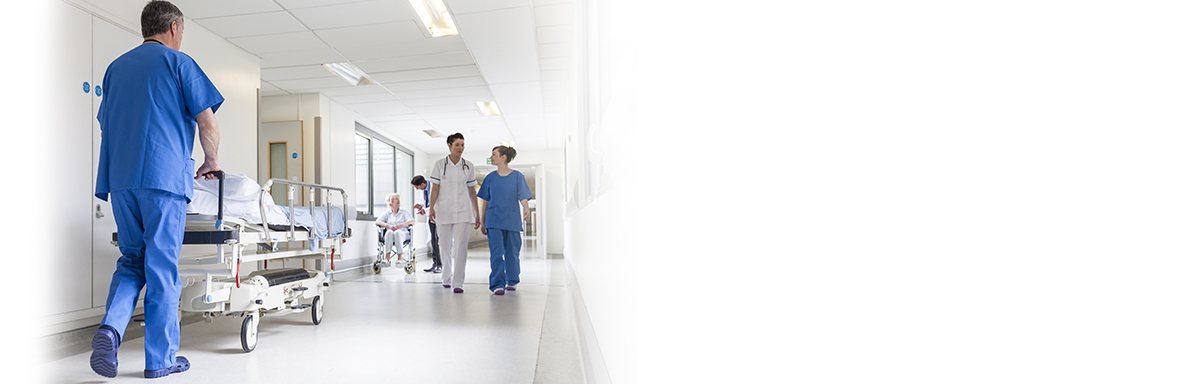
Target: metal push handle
column 218, row 213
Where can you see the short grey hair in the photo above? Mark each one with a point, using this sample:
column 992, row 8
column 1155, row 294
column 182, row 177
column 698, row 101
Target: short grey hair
column 157, row 16
column 389, row 197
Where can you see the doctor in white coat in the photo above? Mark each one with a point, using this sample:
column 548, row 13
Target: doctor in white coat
column 453, row 208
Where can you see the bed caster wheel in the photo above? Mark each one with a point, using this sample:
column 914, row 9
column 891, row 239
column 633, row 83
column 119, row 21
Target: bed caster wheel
column 248, row 333
column 316, row 313
column 409, row 267
column 377, row 267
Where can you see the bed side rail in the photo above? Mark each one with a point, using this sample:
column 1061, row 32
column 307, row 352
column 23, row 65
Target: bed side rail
column 311, row 202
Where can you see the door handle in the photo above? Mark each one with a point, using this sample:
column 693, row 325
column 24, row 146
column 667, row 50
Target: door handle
column 98, row 211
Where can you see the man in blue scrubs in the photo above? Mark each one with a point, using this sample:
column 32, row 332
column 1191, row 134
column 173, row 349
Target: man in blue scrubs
column 154, row 96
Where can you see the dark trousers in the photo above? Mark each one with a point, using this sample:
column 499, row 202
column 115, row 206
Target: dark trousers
column 434, row 241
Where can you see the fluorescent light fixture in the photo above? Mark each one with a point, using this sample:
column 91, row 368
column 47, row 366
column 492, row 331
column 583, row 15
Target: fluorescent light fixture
column 488, row 108
column 432, row 133
column 349, row 73
column 435, row 17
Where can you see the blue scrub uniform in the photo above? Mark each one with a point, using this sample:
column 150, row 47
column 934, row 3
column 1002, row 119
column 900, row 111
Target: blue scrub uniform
column 152, row 95
column 502, row 218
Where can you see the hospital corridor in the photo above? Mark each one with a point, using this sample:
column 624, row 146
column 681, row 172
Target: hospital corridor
column 327, row 191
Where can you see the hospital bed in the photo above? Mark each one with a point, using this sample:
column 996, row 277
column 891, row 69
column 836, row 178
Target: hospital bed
column 212, row 281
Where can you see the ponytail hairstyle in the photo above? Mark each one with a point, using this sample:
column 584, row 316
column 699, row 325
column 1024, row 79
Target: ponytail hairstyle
column 508, row 152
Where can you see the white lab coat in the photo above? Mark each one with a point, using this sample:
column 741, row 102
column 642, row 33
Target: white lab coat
column 453, row 204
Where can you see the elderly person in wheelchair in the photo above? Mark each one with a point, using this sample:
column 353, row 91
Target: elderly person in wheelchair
column 394, row 233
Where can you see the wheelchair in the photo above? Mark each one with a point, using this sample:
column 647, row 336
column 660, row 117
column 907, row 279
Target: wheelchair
column 407, row 249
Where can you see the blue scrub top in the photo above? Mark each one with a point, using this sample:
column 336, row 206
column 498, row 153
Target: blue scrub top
column 152, row 95
column 503, row 194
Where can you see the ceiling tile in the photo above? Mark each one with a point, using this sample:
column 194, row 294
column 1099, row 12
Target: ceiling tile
column 295, row 41
column 300, row 58
column 412, row 117
column 453, row 103
column 518, row 98
column 415, row 62
column 293, row 73
column 345, row 91
column 357, row 99
column 554, row 63
column 381, row 108
column 296, row 4
column 555, row 75
column 437, row 45
column 556, row 14
column 539, row 3
column 554, row 50
column 435, row 84
column 460, row 7
column 503, row 44
column 554, row 85
column 274, row 93
column 525, row 125
column 555, row 34
column 353, row 14
column 251, row 25
column 553, row 97
column 481, row 93
column 440, row 108
column 266, row 87
column 374, row 34
column 201, row 9
column 426, row 74
column 324, row 82
column 450, row 115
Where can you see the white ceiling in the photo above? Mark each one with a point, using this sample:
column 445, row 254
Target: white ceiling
column 514, row 52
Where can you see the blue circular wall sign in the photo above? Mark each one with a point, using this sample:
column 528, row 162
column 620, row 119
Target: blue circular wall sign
column 294, row 155
column 86, row 87
column 98, row 91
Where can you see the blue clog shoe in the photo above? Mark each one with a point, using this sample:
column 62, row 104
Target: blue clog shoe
column 181, row 364
column 103, row 351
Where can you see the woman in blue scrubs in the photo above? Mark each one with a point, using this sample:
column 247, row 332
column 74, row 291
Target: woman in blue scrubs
column 502, row 194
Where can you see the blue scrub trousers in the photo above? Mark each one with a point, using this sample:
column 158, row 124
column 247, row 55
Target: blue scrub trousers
column 149, row 226
column 504, row 249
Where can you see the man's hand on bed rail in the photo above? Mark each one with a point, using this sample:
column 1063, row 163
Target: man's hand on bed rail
column 206, row 171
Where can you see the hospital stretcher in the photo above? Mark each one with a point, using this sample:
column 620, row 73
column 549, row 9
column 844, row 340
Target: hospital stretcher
column 212, row 282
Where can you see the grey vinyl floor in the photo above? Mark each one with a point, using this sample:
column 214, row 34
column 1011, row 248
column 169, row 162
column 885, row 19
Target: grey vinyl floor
column 387, row 328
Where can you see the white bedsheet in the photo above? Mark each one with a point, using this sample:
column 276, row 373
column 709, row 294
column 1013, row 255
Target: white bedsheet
column 241, row 200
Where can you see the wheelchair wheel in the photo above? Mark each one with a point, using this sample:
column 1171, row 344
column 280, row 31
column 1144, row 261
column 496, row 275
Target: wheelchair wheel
column 377, row 267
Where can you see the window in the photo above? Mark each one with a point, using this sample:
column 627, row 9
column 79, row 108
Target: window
column 363, row 175
column 384, row 176
column 382, row 167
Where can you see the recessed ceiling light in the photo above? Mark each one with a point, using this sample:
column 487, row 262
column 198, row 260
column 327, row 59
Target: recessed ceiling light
column 432, row 133
column 349, row 73
column 488, row 108
column 435, row 17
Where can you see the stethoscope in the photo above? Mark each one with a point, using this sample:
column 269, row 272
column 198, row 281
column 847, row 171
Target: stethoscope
column 447, row 160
